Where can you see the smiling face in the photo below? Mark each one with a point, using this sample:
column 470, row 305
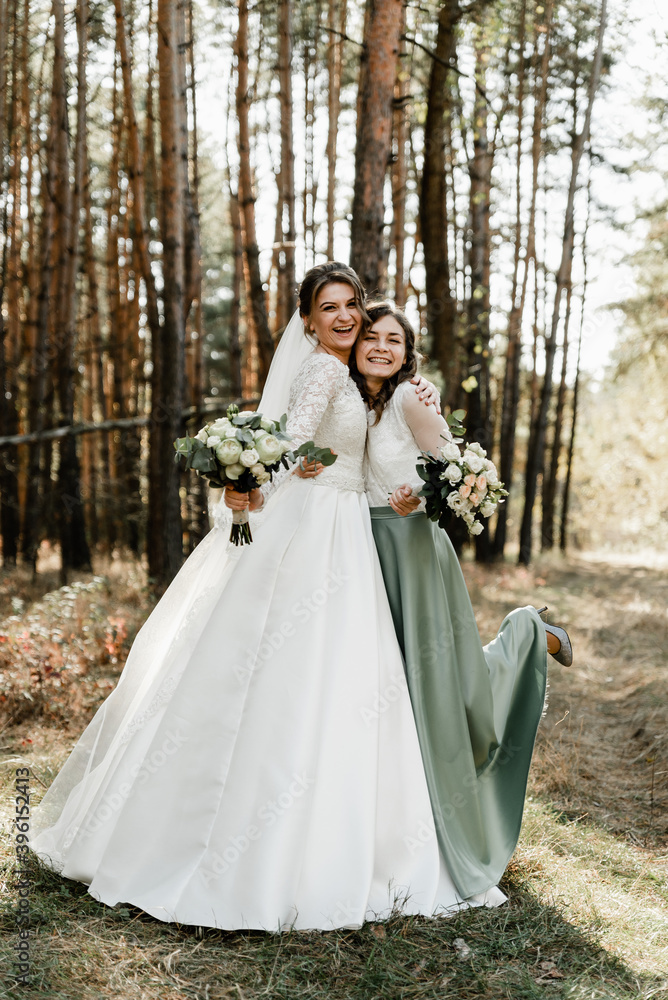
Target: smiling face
column 381, row 351
column 335, row 319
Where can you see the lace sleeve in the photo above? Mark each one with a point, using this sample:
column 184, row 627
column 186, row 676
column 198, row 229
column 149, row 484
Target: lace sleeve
column 318, row 380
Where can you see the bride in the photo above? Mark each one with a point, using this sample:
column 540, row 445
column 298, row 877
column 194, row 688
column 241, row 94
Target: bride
column 258, row 764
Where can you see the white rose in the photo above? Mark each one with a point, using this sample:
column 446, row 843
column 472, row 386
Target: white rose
column 269, row 449
column 234, row 471
column 228, row 452
column 220, row 425
column 477, row 448
column 230, row 432
column 249, row 457
column 202, row 435
column 260, row 474
column 491, row 476
column 487, row 509
column 453, row 473
column 476, row 528
column 267, row 425
column 473, row 461
column 451, row 452
column 213, row 440
column 455, row 502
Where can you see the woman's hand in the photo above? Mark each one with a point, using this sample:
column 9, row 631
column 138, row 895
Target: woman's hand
column 427, row 392
column 242, row 501
column 402, row 500
column 308, row 470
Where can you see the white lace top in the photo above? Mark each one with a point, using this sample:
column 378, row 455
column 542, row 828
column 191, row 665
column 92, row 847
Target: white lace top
column 325, row 407
column 395, row 442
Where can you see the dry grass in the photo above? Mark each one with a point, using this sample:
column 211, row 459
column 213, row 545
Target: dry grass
column 588, row 910
column 602, row 751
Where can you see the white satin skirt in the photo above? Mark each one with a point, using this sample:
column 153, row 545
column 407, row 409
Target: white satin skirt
column 258, row 764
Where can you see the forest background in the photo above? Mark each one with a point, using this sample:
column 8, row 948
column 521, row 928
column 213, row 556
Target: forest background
column 170, row 170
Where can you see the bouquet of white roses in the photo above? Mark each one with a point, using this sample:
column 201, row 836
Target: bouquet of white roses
column 244, row 449
column 461, row 485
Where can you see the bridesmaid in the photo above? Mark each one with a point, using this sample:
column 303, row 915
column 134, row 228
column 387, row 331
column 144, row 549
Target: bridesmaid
column 477, row 709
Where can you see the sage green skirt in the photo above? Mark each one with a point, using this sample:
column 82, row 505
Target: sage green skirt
column 477, row 709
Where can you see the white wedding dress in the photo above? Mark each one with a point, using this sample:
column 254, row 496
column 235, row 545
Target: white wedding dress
column 258, row 765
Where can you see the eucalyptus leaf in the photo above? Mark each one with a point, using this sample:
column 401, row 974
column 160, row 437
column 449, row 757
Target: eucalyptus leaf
column 203, row 461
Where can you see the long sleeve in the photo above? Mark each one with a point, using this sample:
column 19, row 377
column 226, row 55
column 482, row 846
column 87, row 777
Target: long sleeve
column 428, row 427
column 317, row 382
column 394, row 443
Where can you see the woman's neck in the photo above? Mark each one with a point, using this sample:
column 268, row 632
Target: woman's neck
column 373, row 386
column 342, row 356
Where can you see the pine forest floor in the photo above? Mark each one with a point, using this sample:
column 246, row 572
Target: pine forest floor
column 587, row 915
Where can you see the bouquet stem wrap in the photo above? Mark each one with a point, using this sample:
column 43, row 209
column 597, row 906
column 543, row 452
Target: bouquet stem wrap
column 240, row 533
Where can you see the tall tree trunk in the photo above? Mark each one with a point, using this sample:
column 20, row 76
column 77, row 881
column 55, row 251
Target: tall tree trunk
column 399, row 170
column 286, row 297
column 511, row 384
column 150, row 156
column 374, row 138
column 566, row 496
column 9, row 276
column 311, row 32
column 256, row 310
column 113, row 391
column 40, row 351
column 441, row 306
column 550, row 480
column 165, row 547
column 536, row 449
column 136, row 175
column 198, row 512
column 336, row 30
column 191, row 234
column 478, row 402
column 234, row 341
column 74, row 549
column 99, row 472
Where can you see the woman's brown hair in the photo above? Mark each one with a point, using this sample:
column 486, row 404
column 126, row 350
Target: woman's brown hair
column 325, row 274
column 376, row 311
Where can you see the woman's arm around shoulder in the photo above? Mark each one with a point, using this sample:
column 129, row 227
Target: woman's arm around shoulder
column 428, row 427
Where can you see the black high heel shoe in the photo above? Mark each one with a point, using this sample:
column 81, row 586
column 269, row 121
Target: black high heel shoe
column 564, row 654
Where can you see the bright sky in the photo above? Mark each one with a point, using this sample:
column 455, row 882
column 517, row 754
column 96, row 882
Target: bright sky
column 618, row 114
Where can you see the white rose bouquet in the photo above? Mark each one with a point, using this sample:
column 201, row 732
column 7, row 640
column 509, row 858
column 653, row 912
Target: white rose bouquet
column 460, row 485
column 244, row 449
